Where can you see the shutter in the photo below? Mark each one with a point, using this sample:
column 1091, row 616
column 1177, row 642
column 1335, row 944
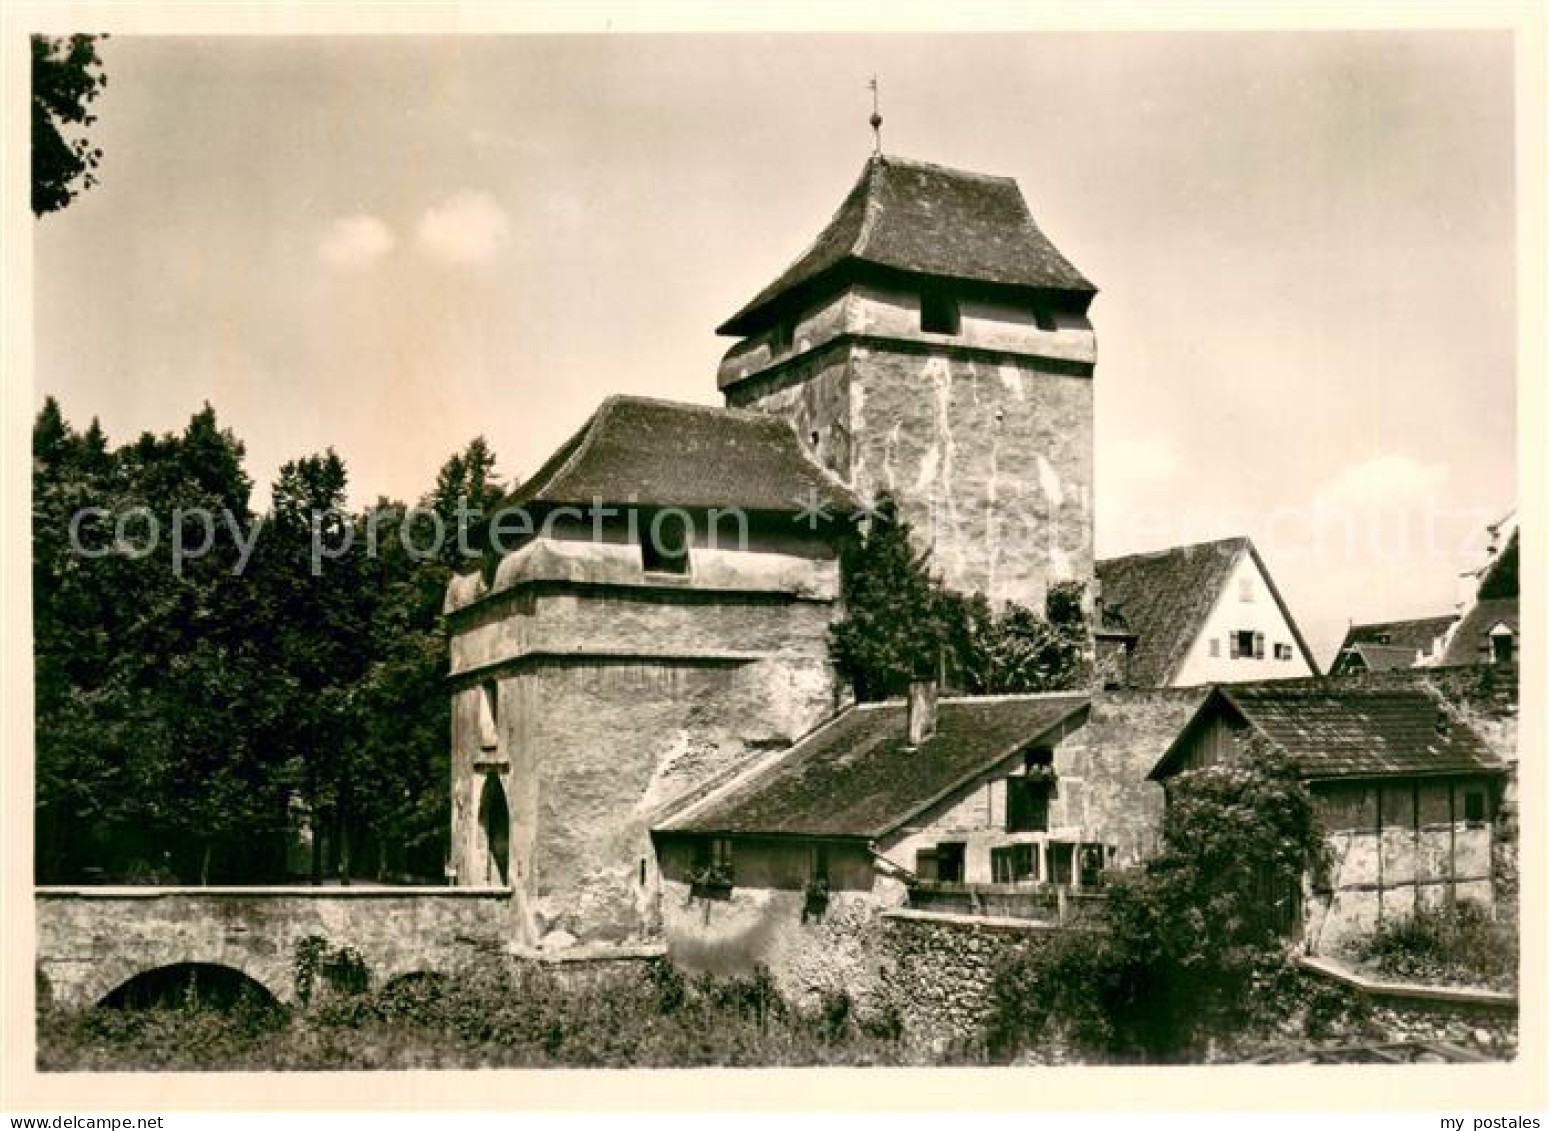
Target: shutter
column 1258, row 645
column 1232, row 640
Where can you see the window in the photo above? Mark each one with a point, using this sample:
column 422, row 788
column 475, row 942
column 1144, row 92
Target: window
column 925, row 864
column 1091, row 859
column 1474, row 807
column 489, row 715
column 713, row 863
column 781, row 336
column 1043, row 318
column 1245, row 642
column 1245, row 589
column 949, row 861
column 1501, row 648
column 1060, row 862
column 1215, row 647
column 1283, row 652
column 938, row 313
column 1027, row 806
column 1014, row 863
column 664, row 545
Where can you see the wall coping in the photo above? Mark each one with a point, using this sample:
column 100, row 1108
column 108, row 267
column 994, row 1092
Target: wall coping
column 590, row 952
column 956, row 919
column 1409, row 991
column 305, row 891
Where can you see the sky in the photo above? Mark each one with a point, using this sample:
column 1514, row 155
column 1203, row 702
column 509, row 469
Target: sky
column 1304, row 244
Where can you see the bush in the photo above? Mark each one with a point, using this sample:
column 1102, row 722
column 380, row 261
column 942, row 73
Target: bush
column 1457, row 943
column 1185, row 954
column 493, row 1014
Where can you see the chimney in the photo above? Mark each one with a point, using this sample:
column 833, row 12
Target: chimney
column 922, row 710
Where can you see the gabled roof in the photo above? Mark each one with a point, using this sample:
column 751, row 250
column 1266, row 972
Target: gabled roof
column 635, row 450
column 1165, row 597
column 1333, row 731
column 1380, row 657
column 1470, row 641
column 928, row 220
column 1414, row 635
column 857, row 777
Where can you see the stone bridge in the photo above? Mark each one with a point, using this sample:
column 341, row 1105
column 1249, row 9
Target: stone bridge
column 92, row 940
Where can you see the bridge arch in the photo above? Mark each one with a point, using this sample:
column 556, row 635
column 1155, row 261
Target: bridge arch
column 214, row 984
column 110, row 983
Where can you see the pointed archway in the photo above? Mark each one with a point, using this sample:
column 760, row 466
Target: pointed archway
column 495, row 830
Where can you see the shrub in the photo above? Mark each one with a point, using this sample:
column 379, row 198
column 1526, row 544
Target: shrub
column 1457, row 943
column 1184, row 953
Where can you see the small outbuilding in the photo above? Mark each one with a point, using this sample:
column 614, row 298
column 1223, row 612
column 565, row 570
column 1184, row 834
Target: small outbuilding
column 1406, row 791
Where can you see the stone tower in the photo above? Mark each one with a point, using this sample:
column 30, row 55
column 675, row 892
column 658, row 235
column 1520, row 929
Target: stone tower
column 933, row 343
column 658, row 618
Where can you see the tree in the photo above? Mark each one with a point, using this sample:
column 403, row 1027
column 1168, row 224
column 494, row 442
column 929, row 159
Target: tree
column 901, row 624
column 894, row 630
column 66, row 80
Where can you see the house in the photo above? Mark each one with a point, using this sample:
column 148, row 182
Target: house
column 1486, row 629
column 1392, row 644
column 1489, row 629
column 885, row 804
column 1192, row 615
column 1406, row 790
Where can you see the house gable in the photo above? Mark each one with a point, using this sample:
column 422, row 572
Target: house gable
column 1248, row 634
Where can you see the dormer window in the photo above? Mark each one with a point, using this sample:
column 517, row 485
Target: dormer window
column 664, row 545
column 938, row 313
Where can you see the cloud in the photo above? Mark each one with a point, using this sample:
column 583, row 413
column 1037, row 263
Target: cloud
column 1384, row 483
column 468, row 228
column 356, row 241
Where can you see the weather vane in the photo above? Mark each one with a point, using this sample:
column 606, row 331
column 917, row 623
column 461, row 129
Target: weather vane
column 876, row 114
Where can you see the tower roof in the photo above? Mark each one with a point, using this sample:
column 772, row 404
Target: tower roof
column 640, row 451
column 926, row 219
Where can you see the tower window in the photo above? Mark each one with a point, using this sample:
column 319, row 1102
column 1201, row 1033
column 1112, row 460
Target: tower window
column 664, row 546
column 938, row 313
column 782, row 335
column 489, row 715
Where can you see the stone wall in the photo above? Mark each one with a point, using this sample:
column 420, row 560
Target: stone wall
column 1103, row 766
column 843, row 949
column 92, row 940
column 940, row 969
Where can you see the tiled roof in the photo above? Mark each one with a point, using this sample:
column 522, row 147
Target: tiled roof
column 1413, row 635
column 857, row 777
column 928, row 220
column 1330, row 731
column 1164, row 597
column 661, row 453
column 1470, row 641
column 1382, row 657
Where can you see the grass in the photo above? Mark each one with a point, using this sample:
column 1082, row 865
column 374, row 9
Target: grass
column 495, row 1016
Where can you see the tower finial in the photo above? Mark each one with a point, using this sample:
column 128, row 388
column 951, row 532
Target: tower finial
column 876, row 115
